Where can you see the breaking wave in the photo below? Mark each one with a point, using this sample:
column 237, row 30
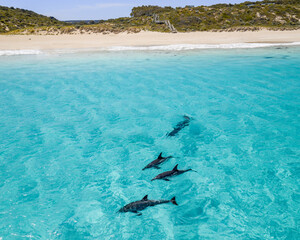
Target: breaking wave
column 19, row 52
column 181, row 47
column 176, row 47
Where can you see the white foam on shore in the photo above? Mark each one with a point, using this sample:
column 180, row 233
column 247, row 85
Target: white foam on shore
column 182, row 47
column 19, row 52
column 176, row 47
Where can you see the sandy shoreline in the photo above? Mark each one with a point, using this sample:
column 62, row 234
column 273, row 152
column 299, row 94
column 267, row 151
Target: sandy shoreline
column 43, row 42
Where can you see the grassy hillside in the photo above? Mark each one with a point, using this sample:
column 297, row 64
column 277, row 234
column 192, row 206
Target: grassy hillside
column 269, row 14
column 15, row 18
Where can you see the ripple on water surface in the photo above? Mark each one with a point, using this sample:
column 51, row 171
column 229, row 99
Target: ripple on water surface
column 76, row 130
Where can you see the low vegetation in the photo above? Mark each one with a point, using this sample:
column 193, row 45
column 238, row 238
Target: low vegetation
column 16, row 18
column 276, row 14
column 267, row 14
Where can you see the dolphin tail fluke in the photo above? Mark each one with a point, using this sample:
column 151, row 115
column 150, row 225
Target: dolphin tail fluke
column 173, row 200
column 191, row 170
column 171, row 134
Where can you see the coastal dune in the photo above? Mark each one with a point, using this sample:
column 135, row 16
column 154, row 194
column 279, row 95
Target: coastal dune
column 43, row 42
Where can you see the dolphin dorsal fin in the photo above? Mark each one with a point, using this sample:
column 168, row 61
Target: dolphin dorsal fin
column 175, row 168
column 159, row 156
column 145, row 198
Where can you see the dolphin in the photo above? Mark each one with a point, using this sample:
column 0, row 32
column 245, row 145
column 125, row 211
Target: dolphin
column 174, row 172
column 140, row 205
column 157, row 161
column 179, row 126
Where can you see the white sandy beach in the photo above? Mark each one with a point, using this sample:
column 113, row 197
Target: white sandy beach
column 43, row 42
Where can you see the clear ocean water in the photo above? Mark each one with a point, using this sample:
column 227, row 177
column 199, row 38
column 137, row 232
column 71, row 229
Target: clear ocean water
column 77, row 128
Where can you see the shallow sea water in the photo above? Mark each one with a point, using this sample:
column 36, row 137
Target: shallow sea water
column 76, row 129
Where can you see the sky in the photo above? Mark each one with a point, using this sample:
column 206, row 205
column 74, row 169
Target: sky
column 98, row 9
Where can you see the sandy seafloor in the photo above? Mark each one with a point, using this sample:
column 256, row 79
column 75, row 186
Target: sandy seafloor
column 78, row 126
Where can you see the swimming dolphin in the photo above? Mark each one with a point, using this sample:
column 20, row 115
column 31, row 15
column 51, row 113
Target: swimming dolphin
column 157, row 161
column 140, row 205
column 174, row 172
column 179, row 126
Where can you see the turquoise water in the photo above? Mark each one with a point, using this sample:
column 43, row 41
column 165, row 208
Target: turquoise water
column 76, row 129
